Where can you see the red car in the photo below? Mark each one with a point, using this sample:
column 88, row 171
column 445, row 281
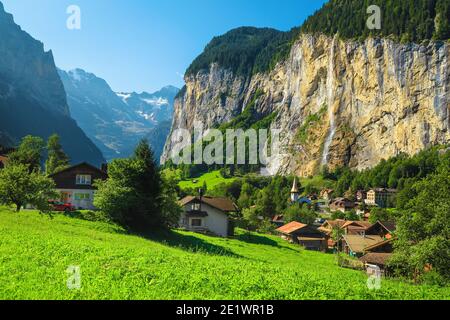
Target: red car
column 61, row 206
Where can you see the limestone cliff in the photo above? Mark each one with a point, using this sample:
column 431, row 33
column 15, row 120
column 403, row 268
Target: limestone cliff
column 338, row 102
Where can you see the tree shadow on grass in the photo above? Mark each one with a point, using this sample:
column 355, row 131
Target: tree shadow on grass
column 262, row 240
column 189, row 243
column 256, row 239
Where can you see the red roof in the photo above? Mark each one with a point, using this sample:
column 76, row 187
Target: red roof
column 291, row 227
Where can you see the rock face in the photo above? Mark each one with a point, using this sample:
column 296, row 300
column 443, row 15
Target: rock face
column 339, row 103
column 116, row 121
column 32, row 97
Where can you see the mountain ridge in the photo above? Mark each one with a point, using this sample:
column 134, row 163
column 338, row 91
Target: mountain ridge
column 32, row 97
column 115, row 121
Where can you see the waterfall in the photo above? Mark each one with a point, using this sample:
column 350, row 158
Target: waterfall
column 331, row 115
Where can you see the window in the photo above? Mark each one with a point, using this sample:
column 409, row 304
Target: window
column 196, row 207
column 82, row 196
column 196, row 222
column 83, row 179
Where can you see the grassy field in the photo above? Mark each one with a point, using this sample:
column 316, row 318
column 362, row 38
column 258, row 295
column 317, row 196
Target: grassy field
column 36, row 250
column 317, row 182
column 212, row 179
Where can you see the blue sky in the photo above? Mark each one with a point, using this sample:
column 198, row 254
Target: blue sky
column 143, row 45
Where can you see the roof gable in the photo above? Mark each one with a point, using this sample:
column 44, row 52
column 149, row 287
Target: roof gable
column 222, row 204
column 389, row 226
column 77, row 166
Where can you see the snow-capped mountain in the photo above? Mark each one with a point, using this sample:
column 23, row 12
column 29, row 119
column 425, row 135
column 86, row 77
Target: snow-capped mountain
column 115, row 122
column 155, row 107
column 32, row 97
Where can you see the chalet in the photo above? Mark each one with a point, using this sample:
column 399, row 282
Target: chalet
column 385, row 246
column 208, row 215
column 307, row 236
column 75, row 184
column 380, row 197
column 379, row 254
column 327, row 194
column 3, row 161
column 356, row 245
column 356, row 227
column 328, row 226
column 342, row 204
column 385, row 229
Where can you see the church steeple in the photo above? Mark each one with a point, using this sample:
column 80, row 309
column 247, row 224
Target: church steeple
column 294, row 191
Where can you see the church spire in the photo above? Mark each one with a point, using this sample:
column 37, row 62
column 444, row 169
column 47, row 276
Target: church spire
column 294, row 191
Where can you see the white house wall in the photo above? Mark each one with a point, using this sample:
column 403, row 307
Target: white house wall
column 216, row 221
column 80, row 204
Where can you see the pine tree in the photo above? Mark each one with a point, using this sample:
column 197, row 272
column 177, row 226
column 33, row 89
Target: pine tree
column 57, row 159
column 148, row 183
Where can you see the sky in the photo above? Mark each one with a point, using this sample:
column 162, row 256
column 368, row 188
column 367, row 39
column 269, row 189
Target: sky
column 144, row 45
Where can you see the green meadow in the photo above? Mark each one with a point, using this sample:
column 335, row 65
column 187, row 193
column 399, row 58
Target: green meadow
column 212, row 179
column 36, row 250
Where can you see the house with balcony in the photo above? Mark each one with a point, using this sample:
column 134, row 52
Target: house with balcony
column 76, row 185
column 208, row 215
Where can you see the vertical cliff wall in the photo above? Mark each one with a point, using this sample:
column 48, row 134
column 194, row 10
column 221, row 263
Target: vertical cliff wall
column 337, row 102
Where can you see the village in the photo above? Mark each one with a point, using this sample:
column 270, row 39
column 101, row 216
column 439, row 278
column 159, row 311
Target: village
column 368, row 244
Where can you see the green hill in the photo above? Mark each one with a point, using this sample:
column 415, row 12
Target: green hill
column 212, row 180
column 36, row 250
column 249, row 50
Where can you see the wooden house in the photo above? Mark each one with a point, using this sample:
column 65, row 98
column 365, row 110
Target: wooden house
column 342, row 204
column 328, row 226
column 307, row 236
column 356, row 245
column 75, row 185
column 356, row 227
column 385, row 229
column 380, row 260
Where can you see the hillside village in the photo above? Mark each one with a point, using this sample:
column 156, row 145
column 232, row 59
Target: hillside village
column 93, row 182
column 366, row 244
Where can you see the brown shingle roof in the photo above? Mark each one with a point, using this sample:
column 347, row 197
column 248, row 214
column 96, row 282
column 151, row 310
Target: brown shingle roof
column 362, row 224
column 291, row 227
column 389, row 226
column 379, row 244
column 376, row 258
column 359, row 243
column 335, row 223
column 223, row 204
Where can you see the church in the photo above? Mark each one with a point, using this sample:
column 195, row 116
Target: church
column 295, row 195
